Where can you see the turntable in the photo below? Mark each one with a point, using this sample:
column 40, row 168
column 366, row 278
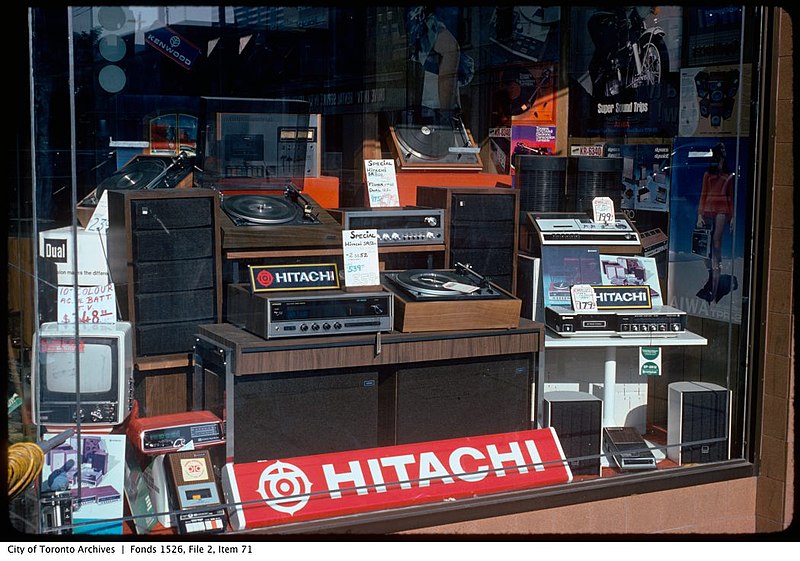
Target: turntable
column 447, row 300
column 142, row 172
column 273, row 221
column 441, row 144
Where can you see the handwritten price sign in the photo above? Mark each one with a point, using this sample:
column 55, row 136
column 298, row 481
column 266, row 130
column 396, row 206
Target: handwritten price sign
column 96, row 304
column 381, row 183
column 603, row 208
column 583, row 298
column 361, row 257
column 99, row 220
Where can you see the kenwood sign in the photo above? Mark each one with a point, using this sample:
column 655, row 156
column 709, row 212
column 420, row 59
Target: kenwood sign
column 312, row 487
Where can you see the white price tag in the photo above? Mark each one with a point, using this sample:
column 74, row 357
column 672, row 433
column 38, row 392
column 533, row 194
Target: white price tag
column 381, row 183
column 603, row 208
column 583, row 298
column 99, row 220
column 361, row 258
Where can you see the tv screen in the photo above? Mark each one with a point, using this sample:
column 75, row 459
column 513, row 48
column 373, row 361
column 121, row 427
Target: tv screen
column 82, row 374
column 97, row 359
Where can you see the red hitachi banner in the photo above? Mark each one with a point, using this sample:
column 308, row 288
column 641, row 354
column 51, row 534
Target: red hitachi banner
column 275, row 492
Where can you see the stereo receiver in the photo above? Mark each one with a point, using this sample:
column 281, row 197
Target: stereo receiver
column 326, row 312
column 660, row 321
column 410, row 225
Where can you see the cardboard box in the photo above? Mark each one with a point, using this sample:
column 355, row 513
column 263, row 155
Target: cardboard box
column 57, row 245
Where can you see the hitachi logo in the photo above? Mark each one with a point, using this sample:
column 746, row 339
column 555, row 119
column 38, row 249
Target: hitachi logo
column 419, row 470
column 625, row 297
column 312, row 276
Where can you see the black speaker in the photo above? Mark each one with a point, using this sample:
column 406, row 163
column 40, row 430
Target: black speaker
column 589, row 177
column 164, row 257
column 453, row 399
column 541, row 182
column 698, row 422
column 297, row 414
column 481, row 229
column 577, row 418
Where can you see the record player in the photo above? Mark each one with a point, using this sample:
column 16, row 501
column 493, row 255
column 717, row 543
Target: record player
column 140, row 173
column 447, row 300
column 436, row 143
column 273, row 221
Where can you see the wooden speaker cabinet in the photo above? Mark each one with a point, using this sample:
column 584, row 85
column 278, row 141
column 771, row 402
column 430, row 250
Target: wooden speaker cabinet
column 164, row 257
column 334, row 393
column 481, row 229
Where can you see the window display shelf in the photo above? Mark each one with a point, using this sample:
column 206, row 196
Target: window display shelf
column 611, row 344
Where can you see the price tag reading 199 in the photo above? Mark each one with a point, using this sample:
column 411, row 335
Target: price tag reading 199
column 583, row 297
column 603, row 208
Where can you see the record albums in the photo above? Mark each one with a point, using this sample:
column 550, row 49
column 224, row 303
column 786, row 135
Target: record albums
column 448, row 300
column 274, row 221
column 443, row 144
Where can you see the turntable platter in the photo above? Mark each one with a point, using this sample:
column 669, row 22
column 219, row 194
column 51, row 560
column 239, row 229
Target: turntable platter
column 431, row 283
column 261, row 209
column 431, row 142
column 135, row 175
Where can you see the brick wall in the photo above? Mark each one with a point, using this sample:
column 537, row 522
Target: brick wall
column 775, row 490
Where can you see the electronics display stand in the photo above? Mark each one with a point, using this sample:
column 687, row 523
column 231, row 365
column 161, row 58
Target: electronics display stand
column 283, row 398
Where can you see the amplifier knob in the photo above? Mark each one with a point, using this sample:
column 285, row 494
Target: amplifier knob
column 430, row 235
column 314, row 327
column 337, row 325
column 326, row 326
column 304, row 327
column 395, row 236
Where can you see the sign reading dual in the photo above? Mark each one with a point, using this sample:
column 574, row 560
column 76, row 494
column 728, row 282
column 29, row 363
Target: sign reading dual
column 267, row 278
column 280, row 491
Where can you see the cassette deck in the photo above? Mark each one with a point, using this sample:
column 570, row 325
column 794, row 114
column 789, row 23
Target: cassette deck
column 660, row 321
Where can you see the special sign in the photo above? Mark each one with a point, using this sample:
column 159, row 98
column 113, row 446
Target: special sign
column 312, row 487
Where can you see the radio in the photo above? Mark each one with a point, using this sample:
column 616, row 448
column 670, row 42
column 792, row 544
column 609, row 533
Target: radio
column 327, row 312
column 168, row 433
column 411, row 225
column 660, row 321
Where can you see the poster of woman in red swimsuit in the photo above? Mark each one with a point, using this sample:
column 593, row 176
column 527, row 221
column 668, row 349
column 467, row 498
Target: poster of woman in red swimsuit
column 706, row 246
column 715, row 214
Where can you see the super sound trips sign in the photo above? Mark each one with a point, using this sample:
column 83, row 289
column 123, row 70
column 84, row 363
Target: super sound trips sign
column 303, row 488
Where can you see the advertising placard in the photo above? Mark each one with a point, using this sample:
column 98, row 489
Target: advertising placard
column 279, row 491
